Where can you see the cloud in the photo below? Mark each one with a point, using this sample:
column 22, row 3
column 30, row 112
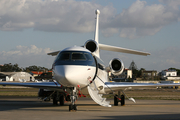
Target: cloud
column 173, row 4
column 109, row 31
column 158, row 60
column 168, row 57
column 50, row 15
column 27, row 55
column 140, row 19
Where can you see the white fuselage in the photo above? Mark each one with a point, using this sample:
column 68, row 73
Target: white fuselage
column 76, row 67
column 74, row 75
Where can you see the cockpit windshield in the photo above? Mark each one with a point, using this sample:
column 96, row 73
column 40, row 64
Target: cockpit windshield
column 75, row 58
column 78, row 56
column 64, row 56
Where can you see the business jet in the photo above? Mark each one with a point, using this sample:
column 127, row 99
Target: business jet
column 78, row 71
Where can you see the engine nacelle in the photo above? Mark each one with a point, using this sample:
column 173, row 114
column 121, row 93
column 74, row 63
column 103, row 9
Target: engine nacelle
column 91, row 45
column 116, row 66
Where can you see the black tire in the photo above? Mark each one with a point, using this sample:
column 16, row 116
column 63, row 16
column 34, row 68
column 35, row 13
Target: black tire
column 70, row 107
column 55, row 101
column 61, row 100
column 68, row 98
column 75, row 107
column 115, row 100
column 122, row 100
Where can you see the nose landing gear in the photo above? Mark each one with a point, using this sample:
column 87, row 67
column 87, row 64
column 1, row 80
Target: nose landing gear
column 73, row 97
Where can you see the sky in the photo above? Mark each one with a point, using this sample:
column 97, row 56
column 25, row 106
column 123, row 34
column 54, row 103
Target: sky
column 29, row 29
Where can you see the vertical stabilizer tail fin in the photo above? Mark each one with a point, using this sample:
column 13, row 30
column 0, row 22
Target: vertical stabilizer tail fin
column 96, row 34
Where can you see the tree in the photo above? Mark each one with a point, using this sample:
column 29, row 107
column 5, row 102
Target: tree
column 10, row 68
column 35, row 68
column 133, row 66
column 134, row 69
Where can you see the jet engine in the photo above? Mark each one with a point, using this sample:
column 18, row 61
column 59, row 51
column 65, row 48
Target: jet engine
column 116, row 66
column 91, row 45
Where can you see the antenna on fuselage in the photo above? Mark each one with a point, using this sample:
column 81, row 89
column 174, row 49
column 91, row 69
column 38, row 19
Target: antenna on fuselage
column 96, row 34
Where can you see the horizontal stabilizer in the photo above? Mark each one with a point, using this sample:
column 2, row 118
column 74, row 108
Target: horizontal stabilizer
column 53, row 53
column 123, row 50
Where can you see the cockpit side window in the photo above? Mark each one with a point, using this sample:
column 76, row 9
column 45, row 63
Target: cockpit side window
column 78, row 56
column 88, row 57
column 64, row 56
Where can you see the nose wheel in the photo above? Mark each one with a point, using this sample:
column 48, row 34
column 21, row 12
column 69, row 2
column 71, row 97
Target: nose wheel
column 73, row 97
column 72, row 107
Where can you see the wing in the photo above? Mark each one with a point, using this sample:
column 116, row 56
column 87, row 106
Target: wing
column 123, row 50
column 53, row 53
column 43, row 85
column 116, row 86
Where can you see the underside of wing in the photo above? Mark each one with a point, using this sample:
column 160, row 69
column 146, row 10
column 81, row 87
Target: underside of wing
column 123, row 50
column 43, row 85
column 117, row 86
column 53, row 53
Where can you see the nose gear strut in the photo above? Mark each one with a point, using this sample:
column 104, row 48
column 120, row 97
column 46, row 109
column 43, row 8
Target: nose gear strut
column 73, row 97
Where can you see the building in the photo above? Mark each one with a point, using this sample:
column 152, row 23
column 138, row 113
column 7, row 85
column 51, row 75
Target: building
column 149, row 75
column 124, row 77
column 126, row 74
column 168, row 73
column 36, row 73
column 16, row 76
column 45, row 76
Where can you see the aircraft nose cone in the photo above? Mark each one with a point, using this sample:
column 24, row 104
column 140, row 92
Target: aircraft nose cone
column 65, row 75
column 69, row 75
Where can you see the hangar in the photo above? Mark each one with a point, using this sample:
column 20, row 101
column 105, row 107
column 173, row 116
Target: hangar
column 16, row 76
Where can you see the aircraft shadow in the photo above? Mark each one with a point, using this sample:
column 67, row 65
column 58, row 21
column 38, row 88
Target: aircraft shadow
column 21, row 103
column 142, row 117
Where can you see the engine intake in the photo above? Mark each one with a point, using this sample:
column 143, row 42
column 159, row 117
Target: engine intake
column 91, row 45
column 116, row 66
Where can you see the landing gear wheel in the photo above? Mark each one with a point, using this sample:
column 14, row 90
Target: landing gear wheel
column 68, row 98
column 122, row 100
column 72, row 107
column 55, row 101
column 115, row 100
column 61, row 100
column 75, row 107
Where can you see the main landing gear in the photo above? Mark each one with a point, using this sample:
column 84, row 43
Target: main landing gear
column 119, row 98
column 58, row 97
column 73, row 97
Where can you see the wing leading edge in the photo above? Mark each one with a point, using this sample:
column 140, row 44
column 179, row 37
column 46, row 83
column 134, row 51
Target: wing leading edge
column 43, row 85
column 116, row 86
